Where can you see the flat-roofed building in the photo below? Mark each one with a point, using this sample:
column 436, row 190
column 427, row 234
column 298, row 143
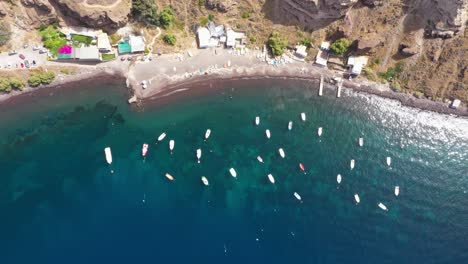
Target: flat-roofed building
column 103, row 43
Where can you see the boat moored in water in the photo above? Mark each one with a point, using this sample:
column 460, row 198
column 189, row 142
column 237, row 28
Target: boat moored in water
column 260, row 159
column 351, row 164
column 356, row 198
column 297, row 196
column 361, row 142
column 338, row 178
column 319, row 132
column 389, row 161
column 198, row 155
column 207, row 134
column 162, row 136
column 383, row 207
column 397, row 190
column 267, row 133
column 170, row 177
column 281, row 152
column 301, row 166
column 271, row 179
column 233, row 172
column 205, row 181
column 290, row 124
column 144, row 150
column 303, row 116
column 171, row 145
column 108, row 153
column 257, row 120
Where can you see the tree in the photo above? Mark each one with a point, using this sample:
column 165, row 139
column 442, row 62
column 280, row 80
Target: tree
column 340, row 47
column 5, row 85
column 16, row 83
column 146, row 10
column 166, row 17
column 277, row 44
column 5, row 33
column 47, row 77
column 34, row 80
column 170, row 39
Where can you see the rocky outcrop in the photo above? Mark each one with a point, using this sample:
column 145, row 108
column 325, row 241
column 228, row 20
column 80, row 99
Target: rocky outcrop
column 221, row 5
column 39, row 12
column 96, row 14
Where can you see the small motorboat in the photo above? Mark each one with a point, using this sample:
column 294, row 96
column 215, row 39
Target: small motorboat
column 205, row 181
column 301, row 166
column 361, row 142
column 108, row 153
column 338, row 178
column 162, row 136
column 198, row 155
column 389, row 161
column 351, row 164
column 271, row 179
column 267, row 133
column 207, row 134
column 297, row 196
column 281, row 152
column 144, row 150
column 171, row 145
column 303, row 116
column 257, row 120
column 233, row 172
column 397, row 190
column 356, row 198
column 170, row 177
column 260, row 159
column 319, row 132
column 290, row 125
column 383, row 207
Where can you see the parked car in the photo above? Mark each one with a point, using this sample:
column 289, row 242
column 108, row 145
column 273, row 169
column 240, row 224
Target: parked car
column 22, row 56
column 34, row 63
column 42, row 51
column 26, row 63
column 22, row 65
column 25, row 46
column 9, row 65
column 35, row 47
column 12, row 52
column 122, row 58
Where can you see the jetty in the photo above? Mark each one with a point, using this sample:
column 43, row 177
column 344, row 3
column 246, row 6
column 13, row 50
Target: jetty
column 321, row 85
column 338, row 90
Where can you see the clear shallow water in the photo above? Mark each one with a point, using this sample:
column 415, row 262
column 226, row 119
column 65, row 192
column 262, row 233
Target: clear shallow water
column 61, row 204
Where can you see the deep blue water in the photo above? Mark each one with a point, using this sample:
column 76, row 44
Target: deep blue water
column 60, row 203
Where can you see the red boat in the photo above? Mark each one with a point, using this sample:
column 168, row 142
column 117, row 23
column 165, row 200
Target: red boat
column 144, row 150
column 301, row 166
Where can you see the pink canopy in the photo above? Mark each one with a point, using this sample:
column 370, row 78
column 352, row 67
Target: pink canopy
column 65, row 49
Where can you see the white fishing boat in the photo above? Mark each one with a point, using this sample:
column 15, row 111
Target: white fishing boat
column 205, row 181
column 162, row 136
column 356, row 198
column 351, row 164
column 144, row 150
column 108, row 153
column 397, row 190
column 361, row 142
column 267, row 133
column 171, row 145
column 319, row 132
column 297, row 196
column 257, row 120
column 198, row 155
column 389, row 161
column 281, row 152
column 233, row 172
column 270, row 177
column 207, row 134
column 170, row 177
column 290, row 125
column 260, row 159
column 338, row 178
column 303, row 116
column 383, row 207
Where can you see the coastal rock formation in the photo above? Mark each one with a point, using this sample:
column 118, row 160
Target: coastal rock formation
column 3, row 10
column 39, row 12
column 107, row 14
column 221, row 5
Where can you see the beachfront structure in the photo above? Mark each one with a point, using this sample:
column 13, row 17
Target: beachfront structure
column 322, row 58
column 301, row 51
column 455, row 104
column 211, row 36
column 88, row 54
column 235, row 39
column 325, row 46
column 131, row 44
column 356, row 63
column 103, row 43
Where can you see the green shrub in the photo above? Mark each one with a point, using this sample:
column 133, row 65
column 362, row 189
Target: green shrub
column 252, row 39
column 340, row 47
column 211, row 17
column 146, row 10
column 395, row 86
column 82, row 39
column 39, row 78
column 245, row 15
column 170, row 39
column 392, row 72
column 5, row 33
column 277, row 44
column 108, row 56
column 203, row 21
column 5, row 85
column 418, row 94
column 47, row 77
column 53, row 39
column 166, row 17
column 17, row 83
column 34, row 81
column 306, row 42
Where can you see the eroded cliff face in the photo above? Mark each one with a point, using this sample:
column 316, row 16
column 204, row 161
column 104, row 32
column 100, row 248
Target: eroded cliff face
column 108, row 14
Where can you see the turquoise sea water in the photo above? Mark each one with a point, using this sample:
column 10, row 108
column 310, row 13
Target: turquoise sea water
column 60, row 203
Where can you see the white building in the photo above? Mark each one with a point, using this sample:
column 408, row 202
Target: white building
column 103, row 43
column 301, row 51
column 356, row 64
column 325, row 45
column 90, row 53
column 235, row 39
column 455, row 104
column 137, row 43
column 211, row 36
column 322, row 58
column 204, row 38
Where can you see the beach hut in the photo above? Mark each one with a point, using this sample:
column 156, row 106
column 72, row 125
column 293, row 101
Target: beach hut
column 235, row 39
column 104, row 43
column 90, row 53
column 203, row 35
column 356, row 63
column 137, row 44
column 301, row 51
column 325, row 46
column 322, row 58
